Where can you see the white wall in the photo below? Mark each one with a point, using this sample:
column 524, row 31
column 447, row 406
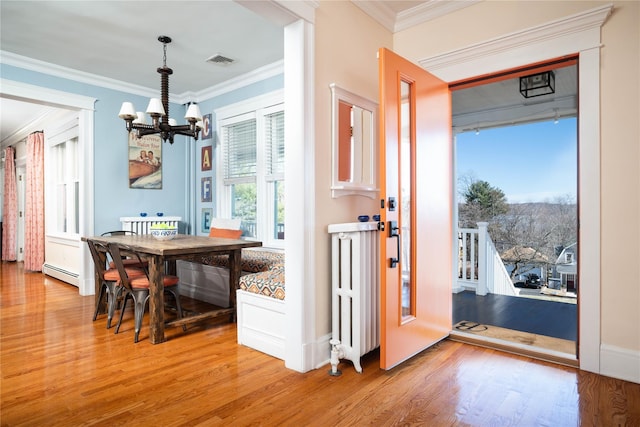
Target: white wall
column 347, row 42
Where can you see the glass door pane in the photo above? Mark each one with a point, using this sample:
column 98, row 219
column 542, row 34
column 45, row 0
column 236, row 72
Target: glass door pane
column 406, row 202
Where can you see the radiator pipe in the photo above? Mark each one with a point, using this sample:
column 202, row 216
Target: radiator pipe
column 336, row 354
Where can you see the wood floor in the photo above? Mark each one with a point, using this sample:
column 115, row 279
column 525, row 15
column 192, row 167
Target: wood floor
column 58, row 368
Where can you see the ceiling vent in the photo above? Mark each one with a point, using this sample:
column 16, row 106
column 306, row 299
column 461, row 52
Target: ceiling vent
column 220, row 59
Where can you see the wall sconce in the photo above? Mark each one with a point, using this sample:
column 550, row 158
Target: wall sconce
column 538, row 84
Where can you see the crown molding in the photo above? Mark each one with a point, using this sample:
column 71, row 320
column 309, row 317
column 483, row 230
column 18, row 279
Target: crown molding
column 583, row 29
column 427, row 11
column 48, row 68
column 283, row 12
column 31, row 64
column 246, row 79
column 378, row 11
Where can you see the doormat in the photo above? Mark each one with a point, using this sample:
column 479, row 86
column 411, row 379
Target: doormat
column 519, row 337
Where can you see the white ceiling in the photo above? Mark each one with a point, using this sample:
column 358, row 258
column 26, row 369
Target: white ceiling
column 118, row 40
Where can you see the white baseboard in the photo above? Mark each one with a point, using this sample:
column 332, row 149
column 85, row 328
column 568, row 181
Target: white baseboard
column 61, row 273
column 322, row 351
column 621, row 363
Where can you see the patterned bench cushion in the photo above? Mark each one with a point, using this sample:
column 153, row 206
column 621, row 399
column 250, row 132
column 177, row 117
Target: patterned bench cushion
column 253, row 261
column 269, row 283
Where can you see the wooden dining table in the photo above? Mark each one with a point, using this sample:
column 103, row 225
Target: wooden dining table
column 162, row 255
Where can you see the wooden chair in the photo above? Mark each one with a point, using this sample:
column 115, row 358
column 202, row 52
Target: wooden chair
column 137, row 288
column 128, row 262
column 119, row 233
column 109, row 278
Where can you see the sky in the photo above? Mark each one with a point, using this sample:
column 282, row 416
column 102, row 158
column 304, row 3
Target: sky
column 530, row 163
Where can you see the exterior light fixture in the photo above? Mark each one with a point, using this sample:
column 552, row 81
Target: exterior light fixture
column 538, row 84
column 158, row 109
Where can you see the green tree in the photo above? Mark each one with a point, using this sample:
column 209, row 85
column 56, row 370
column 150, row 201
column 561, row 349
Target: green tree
column 482, row 202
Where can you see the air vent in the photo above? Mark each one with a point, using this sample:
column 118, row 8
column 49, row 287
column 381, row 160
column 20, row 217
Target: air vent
column 220, row 59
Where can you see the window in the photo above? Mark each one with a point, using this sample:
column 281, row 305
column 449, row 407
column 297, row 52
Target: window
column 63, row 182
column 274, row 138
column 568, row 257
column 251, row 165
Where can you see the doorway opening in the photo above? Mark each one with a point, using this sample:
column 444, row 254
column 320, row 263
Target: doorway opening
column 516, row 282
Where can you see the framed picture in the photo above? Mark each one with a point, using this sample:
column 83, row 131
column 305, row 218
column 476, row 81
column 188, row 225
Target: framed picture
column 205, row 159
column 205, row 189
column 206, row 127
column 145, row 162
column 207, row 213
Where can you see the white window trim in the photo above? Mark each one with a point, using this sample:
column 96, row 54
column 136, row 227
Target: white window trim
column 68, row 130
column 245, row 110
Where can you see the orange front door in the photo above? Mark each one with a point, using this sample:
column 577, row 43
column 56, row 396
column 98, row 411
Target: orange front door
column 416, row 191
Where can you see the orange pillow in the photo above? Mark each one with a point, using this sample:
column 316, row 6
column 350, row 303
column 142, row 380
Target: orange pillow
column 225, row 233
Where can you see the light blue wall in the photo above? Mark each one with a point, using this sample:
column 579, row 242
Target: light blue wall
column 113, row 197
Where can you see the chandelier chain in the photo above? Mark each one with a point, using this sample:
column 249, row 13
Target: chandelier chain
column 164, row 57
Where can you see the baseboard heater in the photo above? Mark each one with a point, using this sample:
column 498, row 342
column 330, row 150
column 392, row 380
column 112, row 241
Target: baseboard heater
column 61, row 274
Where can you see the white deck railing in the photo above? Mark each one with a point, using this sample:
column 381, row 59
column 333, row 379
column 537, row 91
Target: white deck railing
column 480, row 267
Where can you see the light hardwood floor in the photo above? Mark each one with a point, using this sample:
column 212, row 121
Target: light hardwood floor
column 61, row 369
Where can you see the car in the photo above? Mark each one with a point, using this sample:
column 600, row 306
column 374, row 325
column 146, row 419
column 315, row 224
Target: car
column 532, row 281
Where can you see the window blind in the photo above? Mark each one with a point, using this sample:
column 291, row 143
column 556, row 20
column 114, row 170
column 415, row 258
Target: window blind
column 239, row 140
column 274, row 137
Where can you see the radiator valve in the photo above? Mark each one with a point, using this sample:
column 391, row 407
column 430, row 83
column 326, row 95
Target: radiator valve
column 336, row 354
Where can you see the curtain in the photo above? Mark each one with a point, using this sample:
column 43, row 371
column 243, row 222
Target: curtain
column 34, row 204
column 9, row 206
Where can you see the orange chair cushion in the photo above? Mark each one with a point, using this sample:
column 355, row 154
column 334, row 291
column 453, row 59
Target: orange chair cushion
column 225, row 233
column 112, row 275
column 143, row 282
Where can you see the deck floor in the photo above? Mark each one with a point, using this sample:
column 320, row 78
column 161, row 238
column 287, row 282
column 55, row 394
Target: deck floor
column 548, row 318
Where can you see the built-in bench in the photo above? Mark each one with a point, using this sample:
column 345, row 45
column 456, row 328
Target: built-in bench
column 259, row 299
column 208, row 278
column 260, row 307
column 254, row 260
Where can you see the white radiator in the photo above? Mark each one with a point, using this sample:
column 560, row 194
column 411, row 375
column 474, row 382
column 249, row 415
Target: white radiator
column 142, row 224
column 355, row 301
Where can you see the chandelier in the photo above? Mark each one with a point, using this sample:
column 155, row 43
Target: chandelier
column 158, row 109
